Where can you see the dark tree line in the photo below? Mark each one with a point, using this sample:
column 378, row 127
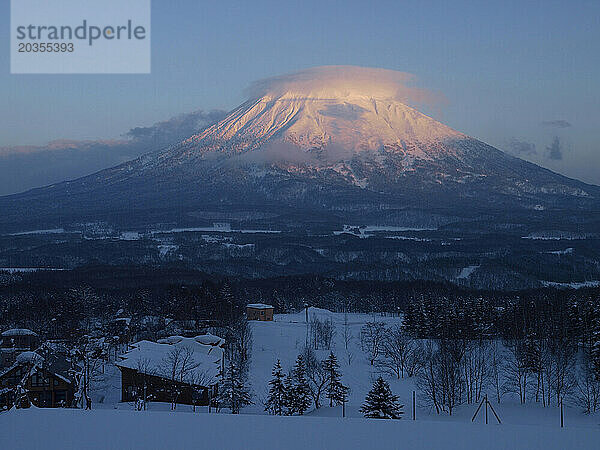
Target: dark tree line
column 543, row 348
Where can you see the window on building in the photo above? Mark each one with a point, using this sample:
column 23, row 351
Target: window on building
column 37, row 379
column 60, row 396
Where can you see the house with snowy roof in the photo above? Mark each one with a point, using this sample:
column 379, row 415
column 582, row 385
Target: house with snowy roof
column 15, row 341
column 259, row 311
column 176, row 369
column 44, row 382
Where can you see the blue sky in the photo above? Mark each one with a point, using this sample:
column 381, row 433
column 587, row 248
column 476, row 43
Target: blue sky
column 517, row 75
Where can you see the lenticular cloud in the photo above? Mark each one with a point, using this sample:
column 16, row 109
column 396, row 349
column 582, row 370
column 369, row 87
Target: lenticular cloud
column 345, row 81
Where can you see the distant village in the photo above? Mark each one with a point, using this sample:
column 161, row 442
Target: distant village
column 183, row 368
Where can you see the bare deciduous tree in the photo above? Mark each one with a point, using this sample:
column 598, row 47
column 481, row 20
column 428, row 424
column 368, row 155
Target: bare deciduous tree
column 516, row 371
column 587, row 388
column 372, row 336
column 145, row 369
column 397, row 350
column 347, row 332
column 89, row 356
column 180, row 366
column 315, row 375
column 322, row 333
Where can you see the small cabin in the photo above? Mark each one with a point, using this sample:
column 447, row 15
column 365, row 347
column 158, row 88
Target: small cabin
column 259, row 311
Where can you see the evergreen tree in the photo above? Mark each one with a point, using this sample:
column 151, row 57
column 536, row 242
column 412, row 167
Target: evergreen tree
column 380, row 403
column 336, row 391
column 413, row 318
column 300, row 395
column 595, row 343
column 277, row 392
column 532, row 356
column 233, row 392
column 288, row 395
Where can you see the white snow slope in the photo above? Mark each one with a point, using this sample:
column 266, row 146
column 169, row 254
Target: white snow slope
column 322, row 117
column 111, row 429
column 354, row 107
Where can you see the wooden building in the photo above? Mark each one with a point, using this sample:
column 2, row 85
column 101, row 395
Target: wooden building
column 175, row 369
column 46, row 383
column 136, row 384
column 259, row 311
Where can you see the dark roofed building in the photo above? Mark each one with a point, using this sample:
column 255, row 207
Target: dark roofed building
column 46, row 382
column 154, row 371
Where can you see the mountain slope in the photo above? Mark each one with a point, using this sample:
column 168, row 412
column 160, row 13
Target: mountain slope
column 336, row 141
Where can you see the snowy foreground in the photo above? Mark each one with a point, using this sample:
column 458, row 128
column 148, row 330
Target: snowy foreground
column 117, row 429
column 115, row 425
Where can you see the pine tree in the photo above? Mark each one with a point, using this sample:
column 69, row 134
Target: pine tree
column 595, row 344
column 532, row 357
column 288, row 395
column 276, row 400
column 380, row 403
column 233, row 392
column 411, row 319
column 336, row 391
column 300, row 395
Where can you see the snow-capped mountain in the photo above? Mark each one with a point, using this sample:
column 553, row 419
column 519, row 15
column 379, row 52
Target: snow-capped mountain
column 326, row 140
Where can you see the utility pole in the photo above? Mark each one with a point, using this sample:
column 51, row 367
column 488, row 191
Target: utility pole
column 486, row 405
column 306, row 320
column 562, row 416
column 209, row 392
column 414, row 407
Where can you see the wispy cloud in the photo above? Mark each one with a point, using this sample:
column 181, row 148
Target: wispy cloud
column 555, row 150
column 556, row 124
column 340, row 81
column 24, row 167
column 57, row 145
column 520, row 147
column 176, row 128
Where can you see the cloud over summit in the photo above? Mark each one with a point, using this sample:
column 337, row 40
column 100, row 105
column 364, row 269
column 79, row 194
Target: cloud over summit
column 338, row 82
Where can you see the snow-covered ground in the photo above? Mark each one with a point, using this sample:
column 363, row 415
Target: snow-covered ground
column 574, row 285
column 214, row 229
column 367, row 231
column 25, row 269
column 104, row 429
column 49, row 231
column 285, row 337
column 115, row 425
column 466, row 272
column 558, row 236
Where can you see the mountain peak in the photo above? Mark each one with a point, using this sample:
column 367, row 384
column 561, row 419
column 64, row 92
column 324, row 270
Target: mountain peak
column 357, row 109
